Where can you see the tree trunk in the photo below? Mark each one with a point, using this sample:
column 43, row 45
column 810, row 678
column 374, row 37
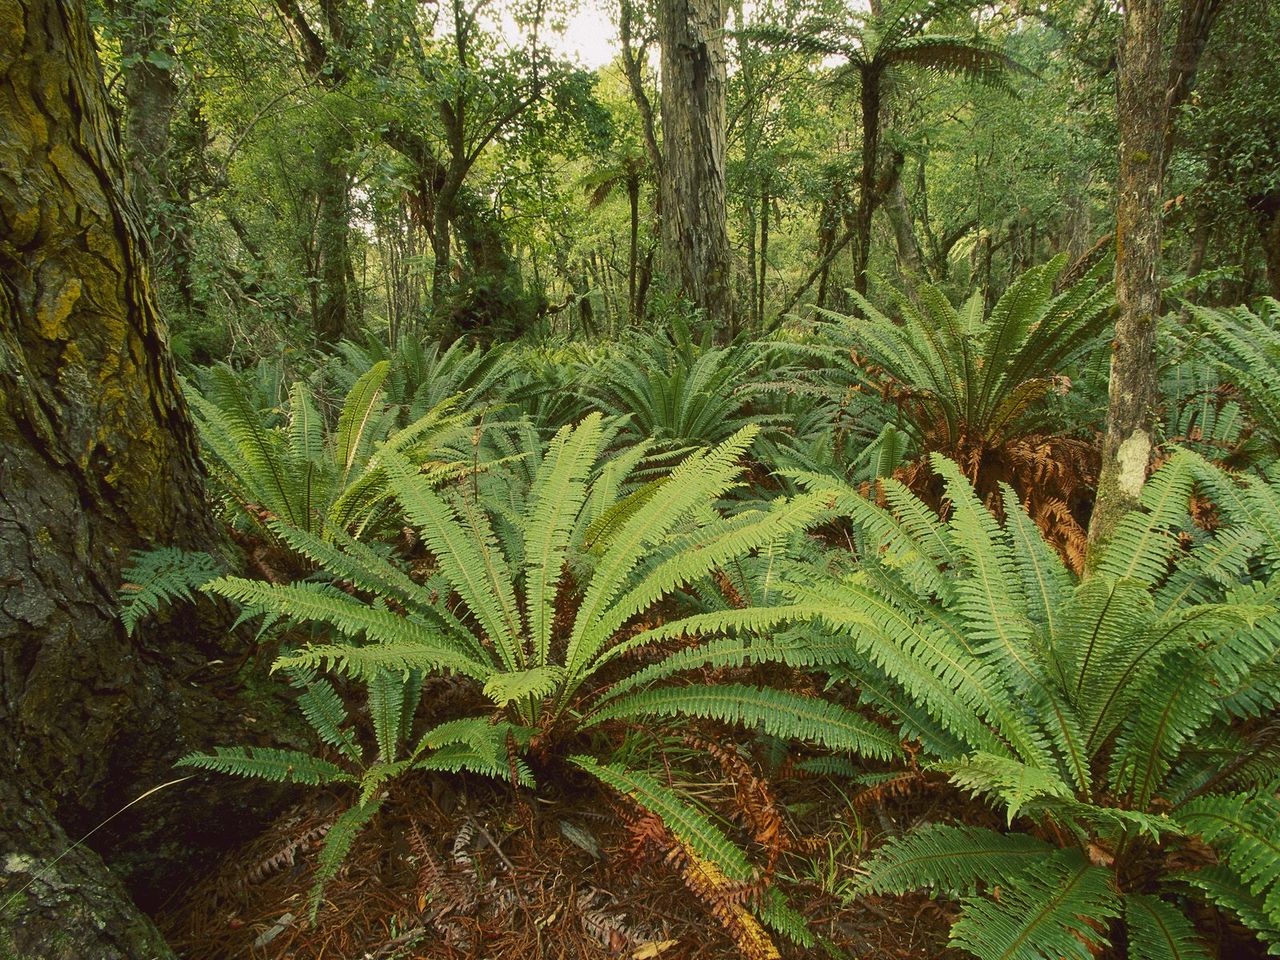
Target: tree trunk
column 333, row 228
column 764, row 256
column 633, row 245
column 97, row 458
column 1265, row 208
column 869, row 95
column 1143, row 115
column 694, row 230
column 910, row 258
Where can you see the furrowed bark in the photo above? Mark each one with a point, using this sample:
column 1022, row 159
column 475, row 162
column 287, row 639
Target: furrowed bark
column 97, row 458
column 1143, row 114
column 694, row 213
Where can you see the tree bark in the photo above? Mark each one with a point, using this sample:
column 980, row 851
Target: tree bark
column 333, row 228
column 97, row 458
column 1143, row 117
column 694, row 213
column 869, row 96
column 910, row 257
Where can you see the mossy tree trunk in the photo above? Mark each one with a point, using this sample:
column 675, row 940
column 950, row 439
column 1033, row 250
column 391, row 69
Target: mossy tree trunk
column 1150, row 86
column 97, row 458
column 1142, row 114
column 694, row 212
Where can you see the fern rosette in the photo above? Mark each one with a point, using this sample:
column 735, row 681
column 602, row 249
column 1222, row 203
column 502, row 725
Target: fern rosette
column 1095, row 714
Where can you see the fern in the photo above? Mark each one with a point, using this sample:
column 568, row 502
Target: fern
column 953, row 859
column 777, row 712
column 1085, row 708
column 266, row 763
column 156, row 578
column 337, row 844
column 690, row 825
column 1041, row 913
column 1159, row 931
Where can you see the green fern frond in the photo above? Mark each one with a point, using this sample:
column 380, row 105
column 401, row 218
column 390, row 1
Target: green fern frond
column 156, row 578
column 1054, row 909
column 386, row 707
column 1222, row 888
column 1013, row 783
column 403, row 643
column 690, row 825
column 533, row 683
column 1157, row 930
column 777, row 712
column 327, row 714
column 266, row 763
column 952, row 859
column 337, row 844
column 1246, row 828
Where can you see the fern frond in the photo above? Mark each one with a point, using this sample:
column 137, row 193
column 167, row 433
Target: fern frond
column 533, row 683
column 777, row 712
column 386, row 707
column 267, row 763
column 556, row 499
column 1158, row 930
column 1054, row 909
column 951, row 859
column 410, row 643
column 327, row 714
column 1143, row 542
column 1246, row 828
column 155, row 578
column 690, row 825
column 1013, row 783
column 337, row 844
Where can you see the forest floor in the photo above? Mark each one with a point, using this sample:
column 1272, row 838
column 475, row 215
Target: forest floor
column 461, row 868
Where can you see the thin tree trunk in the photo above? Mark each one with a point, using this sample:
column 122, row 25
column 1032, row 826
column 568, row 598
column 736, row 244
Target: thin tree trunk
column 869, row 96
column 633, row 245
column 333, row 228
column 764, row 256
column 910, row 259
column 694, row 228
column 1143, row 115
